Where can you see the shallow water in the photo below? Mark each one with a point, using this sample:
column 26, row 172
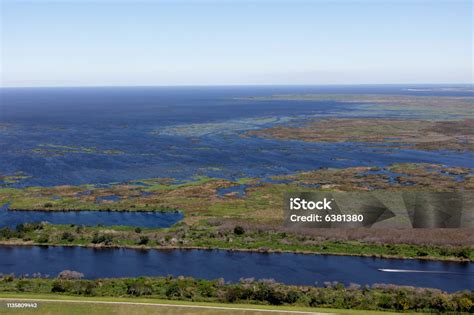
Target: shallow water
column 212, row 264
column 102, row 135
column 11, row 219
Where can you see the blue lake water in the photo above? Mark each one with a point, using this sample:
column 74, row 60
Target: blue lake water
column 211, row 264
column 102, row 135
column 10, row 218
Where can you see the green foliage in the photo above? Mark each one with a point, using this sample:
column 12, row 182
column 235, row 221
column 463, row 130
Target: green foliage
column 143, row 240
column 44, row 238
column 28, row 227
column 378, row 297
column 210, row 236
column 58, row 287
column 105, row 239
column 67, row 236
column 6, row 233
column 139, row 287
column 463, row 253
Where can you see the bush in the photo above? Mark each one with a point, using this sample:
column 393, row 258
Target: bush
column 105, row 239
column 139, row 287
column 143, row 240
column 292, row 296
column 6, row 233
column 44, row 238
column 206, row 289
column 232, row 294
column 67, row 236
column 70, row 275
column 421, row 253
column 173, row 290
column 20, row 228
column 28, row 227
column 58, row 287
column 23, row 285
column 239, row 230
column 466, row 305
column 138, row 230
column 9, row 278
column 463, row 253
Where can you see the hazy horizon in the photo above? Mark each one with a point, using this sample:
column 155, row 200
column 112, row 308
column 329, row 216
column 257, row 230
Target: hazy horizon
column 443, row 85
column 100, row 43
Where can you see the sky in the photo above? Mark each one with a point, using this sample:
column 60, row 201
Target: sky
column 117, row 43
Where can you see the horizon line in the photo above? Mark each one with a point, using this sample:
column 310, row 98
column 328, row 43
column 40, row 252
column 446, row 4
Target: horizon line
column 233, row 85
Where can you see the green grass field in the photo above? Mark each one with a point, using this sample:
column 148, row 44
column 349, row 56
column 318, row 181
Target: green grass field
column 56, row 304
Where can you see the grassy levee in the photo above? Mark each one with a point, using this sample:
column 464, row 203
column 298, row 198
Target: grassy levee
column 389, row 244
column 73, row 305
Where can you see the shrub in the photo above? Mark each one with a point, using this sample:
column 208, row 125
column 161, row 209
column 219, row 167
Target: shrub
column 276, row 297
column 67, row 236
column 23, row 285
column 139, row 287
column 463, row 253
column 292, row 296
column 465, row 304
column 58, row 287
column 421, row 253
column 9, row 278
column 44, row 238
column 143, row 240
column 6, row 233
column 173, row 290
column 239, row 230
column 206, row 289
column 20, row 228
column 105, row 239
column 70, row 275
column 232, row 294
column 138, row 230
column 28, row 227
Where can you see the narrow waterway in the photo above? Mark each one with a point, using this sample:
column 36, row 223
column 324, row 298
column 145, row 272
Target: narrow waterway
column 211, row 264
column 150, row 219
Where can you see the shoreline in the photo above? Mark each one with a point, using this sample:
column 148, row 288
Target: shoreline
column 248, row 250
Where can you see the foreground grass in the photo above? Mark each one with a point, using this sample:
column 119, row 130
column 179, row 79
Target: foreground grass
column 86, row 305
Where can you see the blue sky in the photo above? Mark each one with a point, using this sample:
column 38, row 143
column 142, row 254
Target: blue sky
column 105, row 42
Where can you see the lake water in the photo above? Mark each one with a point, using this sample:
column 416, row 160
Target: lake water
column 211, row 264
column 147, row 219
column 61, row 136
